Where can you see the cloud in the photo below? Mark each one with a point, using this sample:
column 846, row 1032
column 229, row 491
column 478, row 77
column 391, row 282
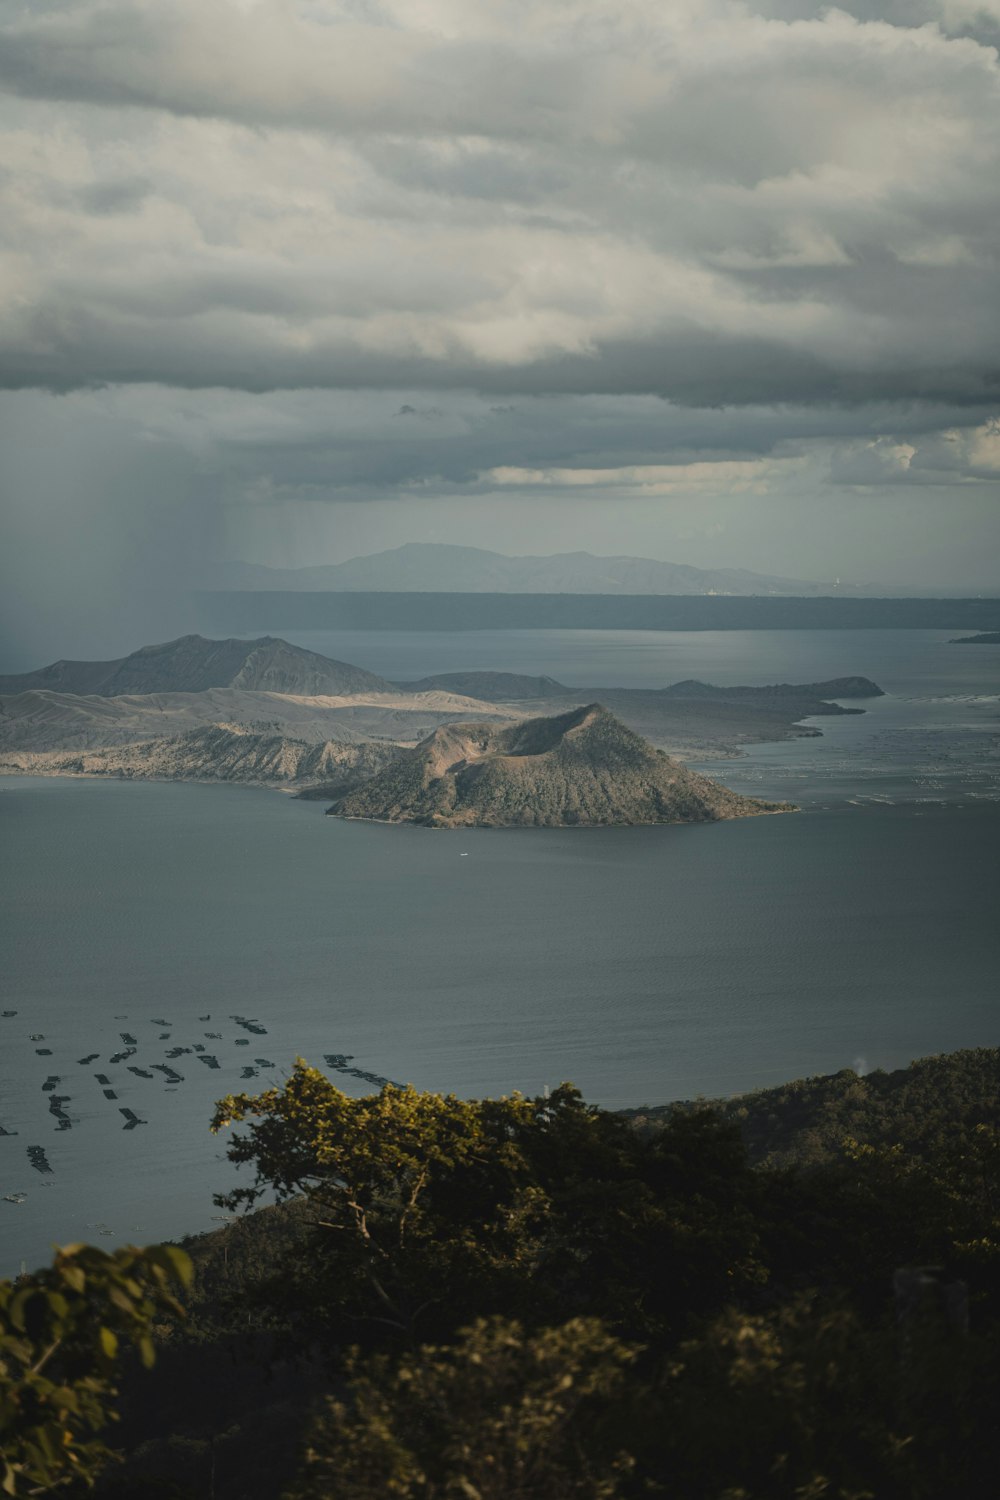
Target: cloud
column 348, row 444
column 714, row 280
column 711, row 202
column 116, row 195
column 878, row 461
column 727, row 476
column 954, row 455
column 966, row 454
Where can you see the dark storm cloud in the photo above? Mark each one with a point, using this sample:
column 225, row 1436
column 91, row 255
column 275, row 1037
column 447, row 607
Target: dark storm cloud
column 64, row 348
column 696, row 271
column 714, row 203
column 328, row 446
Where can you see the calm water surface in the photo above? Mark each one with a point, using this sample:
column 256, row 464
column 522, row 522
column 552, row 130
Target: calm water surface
column 903, row 662
column 644, row 964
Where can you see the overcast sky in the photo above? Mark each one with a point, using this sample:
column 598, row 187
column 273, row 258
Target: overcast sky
column 290, row 280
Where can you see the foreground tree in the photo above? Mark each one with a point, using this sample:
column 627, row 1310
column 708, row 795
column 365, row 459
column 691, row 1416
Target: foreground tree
column 428, row 1211
column 420, row 1202
column 60, row 1332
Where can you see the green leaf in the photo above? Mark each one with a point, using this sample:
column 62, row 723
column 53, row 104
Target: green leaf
column 74, row 1278
column 175, row 1260
column 18, row 1308
column 109, row 1342
column 58, row 1305
column 120, row 1300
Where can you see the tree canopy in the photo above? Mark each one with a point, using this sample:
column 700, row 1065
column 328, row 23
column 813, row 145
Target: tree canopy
column 530, row 1298
column 60, row 1332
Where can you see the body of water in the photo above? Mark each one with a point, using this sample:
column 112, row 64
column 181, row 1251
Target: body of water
column 643, row 964
column 903, row 662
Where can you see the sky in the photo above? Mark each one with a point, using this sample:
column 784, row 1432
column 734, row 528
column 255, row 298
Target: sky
column 294, row 280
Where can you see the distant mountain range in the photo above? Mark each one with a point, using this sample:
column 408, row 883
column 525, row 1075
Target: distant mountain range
column 435, row 567
column 575, row 769
column 193, row 664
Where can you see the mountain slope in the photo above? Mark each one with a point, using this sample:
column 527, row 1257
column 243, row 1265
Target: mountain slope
column 219, row 752
column 40, row 721
column 493, row 687
column 575, row 769
column 919, row 1109
column 437, row 567
column 193, row 664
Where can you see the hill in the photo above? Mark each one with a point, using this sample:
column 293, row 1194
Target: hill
column 219, row 752
column 575, row 769
column 826, row 1331
column 616, row 1311
column 193, row 664
column 432, row 567
column 924, row 1109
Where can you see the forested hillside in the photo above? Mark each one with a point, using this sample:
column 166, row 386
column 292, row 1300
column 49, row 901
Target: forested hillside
column 924, row 1109
column 536, row 1298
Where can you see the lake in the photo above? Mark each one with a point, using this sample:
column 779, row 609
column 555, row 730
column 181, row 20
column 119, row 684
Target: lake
column 643, row 964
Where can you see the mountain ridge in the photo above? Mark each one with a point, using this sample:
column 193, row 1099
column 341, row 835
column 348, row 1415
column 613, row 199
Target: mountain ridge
column 236, row 753
column 433, row 567
column 194, row 664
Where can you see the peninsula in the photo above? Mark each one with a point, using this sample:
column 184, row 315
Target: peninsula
column 269, row 713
